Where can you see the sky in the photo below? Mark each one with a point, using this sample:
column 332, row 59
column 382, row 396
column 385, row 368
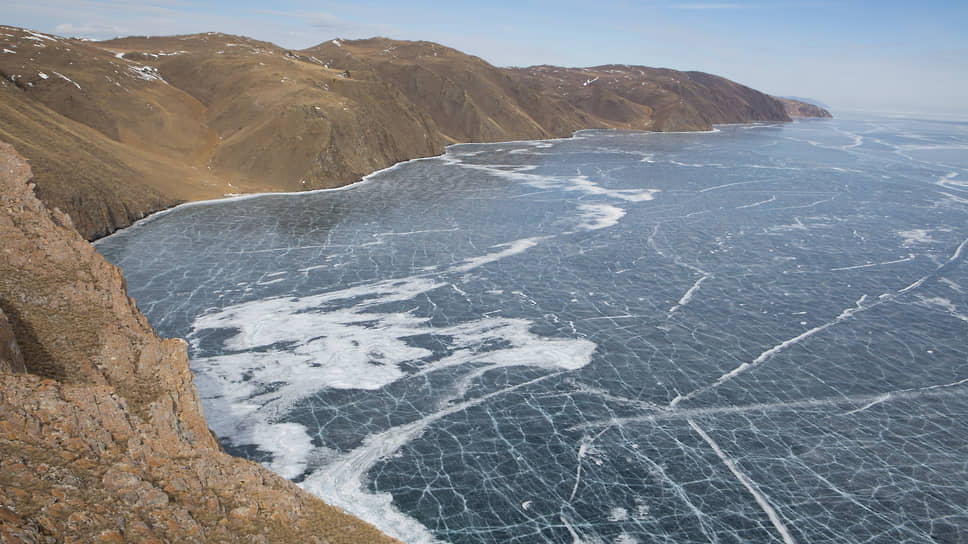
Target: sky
column 879, row 56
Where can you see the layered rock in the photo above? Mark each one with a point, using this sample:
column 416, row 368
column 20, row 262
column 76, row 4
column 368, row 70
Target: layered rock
column 102, row 435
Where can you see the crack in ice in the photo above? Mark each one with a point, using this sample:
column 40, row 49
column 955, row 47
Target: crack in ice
column 688, row 295
column 748, row 484
column 760, row 203
column 846, row 314
column 909, row 258
column 864, row 402
column 341, row 482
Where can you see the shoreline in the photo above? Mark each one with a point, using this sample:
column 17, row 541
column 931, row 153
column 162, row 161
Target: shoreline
column 229, row 197
column 369, row 177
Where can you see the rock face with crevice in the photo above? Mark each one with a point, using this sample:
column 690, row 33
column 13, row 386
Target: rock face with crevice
column 102, row 435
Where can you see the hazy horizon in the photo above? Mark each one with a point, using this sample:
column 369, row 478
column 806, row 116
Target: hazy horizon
column 883, row 57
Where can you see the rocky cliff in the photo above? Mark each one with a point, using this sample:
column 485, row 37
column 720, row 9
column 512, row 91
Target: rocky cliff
column 102, row 436
column 118, row 129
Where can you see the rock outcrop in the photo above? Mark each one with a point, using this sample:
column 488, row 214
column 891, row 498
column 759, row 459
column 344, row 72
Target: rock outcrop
column 118, row 129
column 102, row 435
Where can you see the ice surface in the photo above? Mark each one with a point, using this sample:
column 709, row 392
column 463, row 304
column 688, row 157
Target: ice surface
column 754, row 336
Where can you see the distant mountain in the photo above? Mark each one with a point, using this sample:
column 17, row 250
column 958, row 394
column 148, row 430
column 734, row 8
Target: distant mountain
column 118, row 129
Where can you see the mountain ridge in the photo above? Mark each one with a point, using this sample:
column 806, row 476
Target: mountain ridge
column 121, row 128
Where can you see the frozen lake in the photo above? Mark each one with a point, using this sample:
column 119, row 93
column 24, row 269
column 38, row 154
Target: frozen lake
column 758, row 334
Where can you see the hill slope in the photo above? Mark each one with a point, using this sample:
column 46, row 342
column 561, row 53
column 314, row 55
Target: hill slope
column 118, row 129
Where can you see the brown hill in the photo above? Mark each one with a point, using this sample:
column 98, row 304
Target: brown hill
column 798, row 108
column 121, row 128
column 468, row 99
column 282, row 121
column 106, row 145
column 658, row 99
column 102, row 436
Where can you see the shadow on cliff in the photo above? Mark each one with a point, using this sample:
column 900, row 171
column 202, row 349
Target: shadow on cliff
column 37, row 360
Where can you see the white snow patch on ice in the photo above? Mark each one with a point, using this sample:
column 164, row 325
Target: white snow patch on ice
column 578, row 183
column 915, row 236
column 599, row 216
column 282, row 350
column 289, row 444
column 618, row 514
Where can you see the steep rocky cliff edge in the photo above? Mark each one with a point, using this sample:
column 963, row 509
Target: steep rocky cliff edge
column 102, row 435
column 116, row 130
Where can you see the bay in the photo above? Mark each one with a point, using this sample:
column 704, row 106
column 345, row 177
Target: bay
column 756, row 334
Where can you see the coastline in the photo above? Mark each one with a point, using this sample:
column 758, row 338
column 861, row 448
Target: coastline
column 369, row 177
column 247, row 196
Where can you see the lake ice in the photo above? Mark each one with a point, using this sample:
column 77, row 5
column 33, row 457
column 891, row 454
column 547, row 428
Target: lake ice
column 751, row 335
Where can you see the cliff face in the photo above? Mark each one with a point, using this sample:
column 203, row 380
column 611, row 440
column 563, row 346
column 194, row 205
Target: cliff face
column 115, row 130
column 102, row 435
